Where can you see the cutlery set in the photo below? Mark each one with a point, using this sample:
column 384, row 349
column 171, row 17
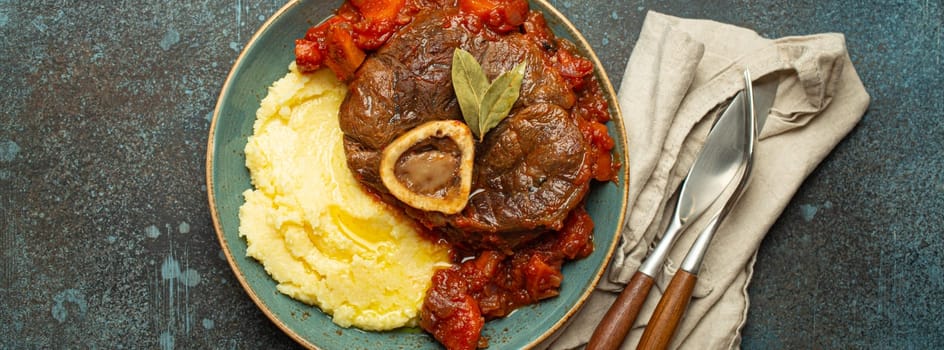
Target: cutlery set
column 718, row 176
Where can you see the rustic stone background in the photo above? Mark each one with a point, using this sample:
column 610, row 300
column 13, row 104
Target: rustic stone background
column 106, row 239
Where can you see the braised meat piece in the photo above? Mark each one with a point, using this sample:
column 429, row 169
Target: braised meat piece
column 530, row 171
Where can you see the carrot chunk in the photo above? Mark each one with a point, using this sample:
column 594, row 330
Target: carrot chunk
column 343, row 56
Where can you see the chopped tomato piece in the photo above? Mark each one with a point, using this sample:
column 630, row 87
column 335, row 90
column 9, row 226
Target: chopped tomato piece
column 318, row 33
column 482, row 269
column 573, row 68
column 340, row 41
column 379, row 19
column 372, row 35
column 343, row 56
column 308, row 55
column 535, row 27
column 450, row 314
column 576, row 240
column 541, row 280
column 379, row 10
column 501, row 15
column 603, row 169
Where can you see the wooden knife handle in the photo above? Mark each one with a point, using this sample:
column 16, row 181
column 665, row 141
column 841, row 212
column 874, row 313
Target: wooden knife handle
column 621, row 315
column 668, row 314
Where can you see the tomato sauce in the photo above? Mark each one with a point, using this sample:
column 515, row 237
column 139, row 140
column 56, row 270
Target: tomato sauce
column 491, row 284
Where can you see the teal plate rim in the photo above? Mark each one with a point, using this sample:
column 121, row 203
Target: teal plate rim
column 264, row 60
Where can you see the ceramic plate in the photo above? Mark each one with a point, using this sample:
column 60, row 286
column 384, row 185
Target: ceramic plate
column 264, row 60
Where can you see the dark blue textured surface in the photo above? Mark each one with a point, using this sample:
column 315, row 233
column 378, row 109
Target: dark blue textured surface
column 106, row 241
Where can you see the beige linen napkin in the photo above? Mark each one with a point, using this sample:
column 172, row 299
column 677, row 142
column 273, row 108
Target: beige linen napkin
column 680, row 74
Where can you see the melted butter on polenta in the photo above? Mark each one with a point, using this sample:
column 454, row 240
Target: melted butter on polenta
column 318, row 234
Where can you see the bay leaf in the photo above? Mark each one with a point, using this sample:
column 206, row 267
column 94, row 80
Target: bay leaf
column 499, row 98
column 470, row 84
